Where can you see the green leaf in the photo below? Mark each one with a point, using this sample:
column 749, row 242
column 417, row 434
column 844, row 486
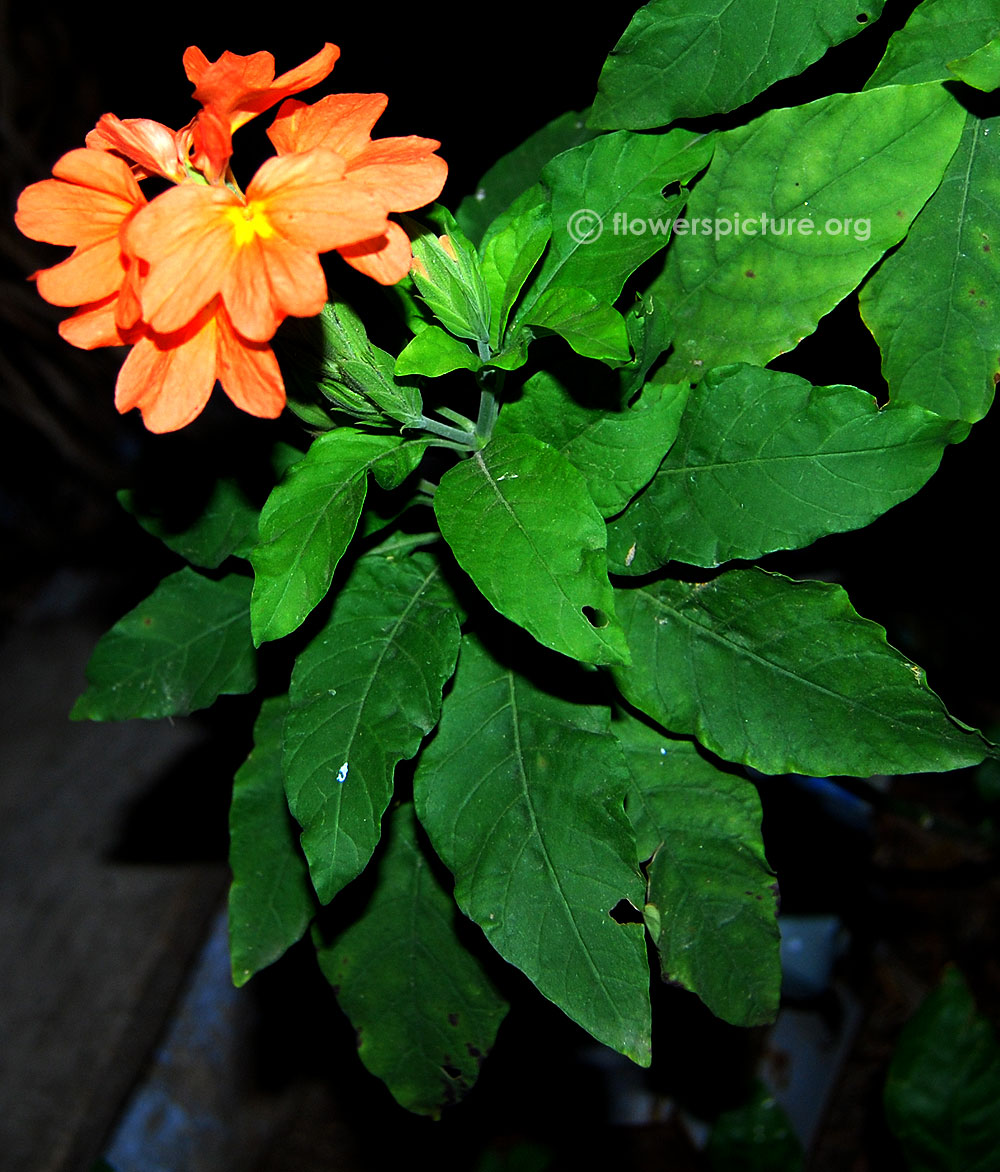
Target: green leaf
column 650, row 330
column 617, row 451
column 510, row 254
column 518, row 170
column 603, row 193
column 364, row 693
column 981, row 69
column 592, row 328
column 521, row 793
column 711, row 903
column 425, row 1011
column 936, row 33
column 433, row 352
column 227, row 524
column 692, row 58
column 819, row 192
column 756, row 1137
column 521, row 523
column 271, row 900
column 934, row 305
column 766, row 461
column 943, row 1085
column 786, row 677
column 307, row 524
column 187, row 644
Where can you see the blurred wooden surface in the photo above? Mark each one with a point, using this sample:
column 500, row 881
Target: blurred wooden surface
column 93, row 943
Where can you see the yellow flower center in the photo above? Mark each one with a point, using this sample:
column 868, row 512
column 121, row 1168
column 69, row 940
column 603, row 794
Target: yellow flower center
column 249, row 222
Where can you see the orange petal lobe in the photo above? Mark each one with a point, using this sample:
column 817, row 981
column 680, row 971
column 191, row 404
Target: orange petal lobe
column 404, row 172
column 269, row 281
column 87, row 201
column 339, row 122
column 170, row 378
column 90, row 274
column 248, row 372
column 93, row 326
column 385, row 259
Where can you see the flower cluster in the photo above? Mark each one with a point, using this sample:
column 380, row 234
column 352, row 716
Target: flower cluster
column 197, row 279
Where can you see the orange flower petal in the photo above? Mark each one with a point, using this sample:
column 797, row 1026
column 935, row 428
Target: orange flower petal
column 90, row 274
column 149, row 145
column 243, row 87
column 211, row 143
column 187, row 240
column 270, row 280
column 404, row 172
column 308, row 203
column 248, row 372
column 385, row 259
column 93, row 326
column 170, row 378
column 86, row 202
column 339, row 122
column 128, row 312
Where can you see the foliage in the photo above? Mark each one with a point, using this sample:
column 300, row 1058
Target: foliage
column 941, row 1093
column 522, row 711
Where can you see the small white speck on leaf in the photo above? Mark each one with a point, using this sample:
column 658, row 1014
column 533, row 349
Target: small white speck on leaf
column 342, row 774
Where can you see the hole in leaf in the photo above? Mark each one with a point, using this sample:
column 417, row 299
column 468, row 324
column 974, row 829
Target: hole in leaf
column 862, row 18
column 596, row 618
column 624, row 913
column 451, row 1071
column 672, row 188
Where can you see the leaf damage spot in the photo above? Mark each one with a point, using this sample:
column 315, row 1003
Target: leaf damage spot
column 597, row 618
column 342, row 773
column 625, row 912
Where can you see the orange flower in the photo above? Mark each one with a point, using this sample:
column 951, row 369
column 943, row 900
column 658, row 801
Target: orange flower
column 198, row 279
column 259, row 252
column 243, row 87
column 235, row 89
column 404, row 173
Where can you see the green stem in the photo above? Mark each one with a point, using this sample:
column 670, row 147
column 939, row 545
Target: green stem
column 456, row 435
column 487, row 414
column 489, row 406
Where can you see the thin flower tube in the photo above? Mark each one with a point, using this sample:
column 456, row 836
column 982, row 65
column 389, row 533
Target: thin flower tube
column 198, row 279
